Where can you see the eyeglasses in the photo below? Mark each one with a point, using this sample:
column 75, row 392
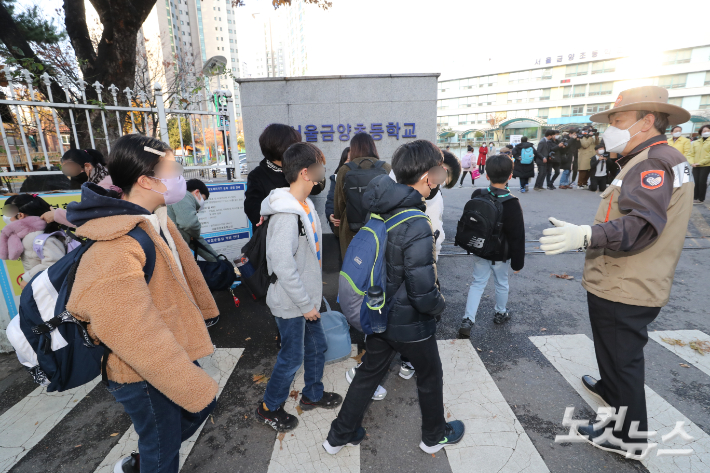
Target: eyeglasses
column 436, row 175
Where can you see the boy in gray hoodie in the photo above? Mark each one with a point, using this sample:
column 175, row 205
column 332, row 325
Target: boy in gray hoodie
column 293, row 256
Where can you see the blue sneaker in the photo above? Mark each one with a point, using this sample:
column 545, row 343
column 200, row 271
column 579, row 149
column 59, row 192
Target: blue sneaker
column 523, row 190
column 453, row 433
column 358, row 437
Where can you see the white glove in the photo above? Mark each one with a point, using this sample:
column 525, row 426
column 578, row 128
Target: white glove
column 564, row 237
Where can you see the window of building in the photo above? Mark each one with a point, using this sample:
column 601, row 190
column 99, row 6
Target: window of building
column 487, row 81
column 464, row 102
column 543, row 112
column 602, row 88
column 577, row 110
column 545, row 94
column 518, row 97
column 534, row 95
column 603, row 67
column 575, row 70
column 707, row 78
column 567, row 92
column 566, row 111
column 675, row 81
column 681, row 56
column 547, row 73
column 466, row 84
column 599, row 107
column 463, row 119
column 518, row 77
column 579, row 90
column 705, row 102
column 486, row 99
column 678, row 101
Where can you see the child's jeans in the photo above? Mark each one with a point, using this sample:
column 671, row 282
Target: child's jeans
column 481, row 272
column 564, row 180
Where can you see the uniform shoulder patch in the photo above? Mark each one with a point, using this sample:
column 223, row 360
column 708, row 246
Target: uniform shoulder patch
column 652, row 179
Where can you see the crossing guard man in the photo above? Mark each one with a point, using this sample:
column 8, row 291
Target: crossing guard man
column 631, row 251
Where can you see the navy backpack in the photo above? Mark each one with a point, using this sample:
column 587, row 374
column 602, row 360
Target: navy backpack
column 361, row 290
column 52, row 345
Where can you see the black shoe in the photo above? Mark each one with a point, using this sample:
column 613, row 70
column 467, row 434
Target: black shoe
column 551, row 188
column 212, row 322
column 328, row 401
column 453, row 433
column 357, row 439
column 501, row 317
column 590, row 384
column 466, row 326
column 538, row 189
column 130, row 464
column 279, row 419
column 589, row 434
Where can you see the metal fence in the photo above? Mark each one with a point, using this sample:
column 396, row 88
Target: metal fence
column 51, row 137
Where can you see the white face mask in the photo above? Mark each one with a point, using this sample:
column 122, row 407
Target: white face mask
column 557, row 137
column 616, row 139
column 676, row 134
column 706, row 134
column 200, row 201
column 6, row 219
column 600, row 152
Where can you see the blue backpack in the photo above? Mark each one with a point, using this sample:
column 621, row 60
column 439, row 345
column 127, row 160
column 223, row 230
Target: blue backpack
column 527, row 155
column 337, row 334
column 52, row 345
column 363, row 277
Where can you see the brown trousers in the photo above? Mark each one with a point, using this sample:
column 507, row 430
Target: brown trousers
column 583, row 177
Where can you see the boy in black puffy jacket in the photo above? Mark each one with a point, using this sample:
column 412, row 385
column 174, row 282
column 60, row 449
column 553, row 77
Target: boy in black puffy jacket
column 413, row 299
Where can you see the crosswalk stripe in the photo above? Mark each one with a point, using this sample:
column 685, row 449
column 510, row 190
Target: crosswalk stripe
column 699, row 360
column 573, row 356
column 219, row 365
column 301, row 449
column 27, row 422
column 495, row 441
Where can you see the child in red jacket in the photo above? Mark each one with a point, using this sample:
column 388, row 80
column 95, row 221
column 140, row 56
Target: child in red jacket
column 482, row 152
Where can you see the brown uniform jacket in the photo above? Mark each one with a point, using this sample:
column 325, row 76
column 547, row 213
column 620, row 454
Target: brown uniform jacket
column 640, row 227
column 340, row 202
column 155, row 331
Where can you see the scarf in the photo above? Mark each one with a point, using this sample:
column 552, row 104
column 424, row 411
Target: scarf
column 11, row 236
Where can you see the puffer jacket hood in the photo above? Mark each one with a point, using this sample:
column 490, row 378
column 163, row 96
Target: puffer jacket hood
column 96, row 203
column 383, row 195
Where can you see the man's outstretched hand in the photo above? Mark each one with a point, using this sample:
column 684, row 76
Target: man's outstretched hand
column 564, row 237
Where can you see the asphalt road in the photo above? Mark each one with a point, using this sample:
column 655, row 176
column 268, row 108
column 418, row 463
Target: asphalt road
column 532, row 387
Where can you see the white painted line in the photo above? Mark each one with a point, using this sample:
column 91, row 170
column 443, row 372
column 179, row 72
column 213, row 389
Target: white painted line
column 573, row 356
column 219, row 365
column 702, row 362
column 27, row 422
column 495, row 441
column 302, row 448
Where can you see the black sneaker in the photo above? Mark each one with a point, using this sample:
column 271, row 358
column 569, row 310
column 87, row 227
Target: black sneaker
column 279, row 419
column 590, row 384
column 357, row 438
column 551, row 188
column 588, row 433
column 453, row 433
column 130, row 464
column 328, row 401
column 466, row 326
column 501, row 317
column 212, row 322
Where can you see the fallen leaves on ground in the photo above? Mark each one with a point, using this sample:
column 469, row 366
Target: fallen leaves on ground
column 281, row 439
column 479, row 349
column 114, row 434
column 358, row 358
column 212, row 419
column 260, row 378
column 247, row 339
column 448, row 415
column 543, row 329
column 701, row 346
column 562, row 276
column 77, row 446
column 684, row 365
column 299, row 410
column 294, row 395
column 674, row 341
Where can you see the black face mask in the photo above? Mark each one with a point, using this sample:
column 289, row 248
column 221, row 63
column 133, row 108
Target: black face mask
column 433, row 192
column 80, row 178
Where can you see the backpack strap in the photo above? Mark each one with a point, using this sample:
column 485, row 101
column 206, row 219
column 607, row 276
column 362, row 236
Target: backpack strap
column 40, row 240
column 403, row 216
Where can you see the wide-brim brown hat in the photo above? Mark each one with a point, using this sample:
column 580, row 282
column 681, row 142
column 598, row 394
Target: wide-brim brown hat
column 651, row 98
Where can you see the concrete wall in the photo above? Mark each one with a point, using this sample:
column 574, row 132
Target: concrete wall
column 335, row 100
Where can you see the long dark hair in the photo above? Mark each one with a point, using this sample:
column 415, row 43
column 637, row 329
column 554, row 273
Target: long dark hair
column 32, row 204
column 363, row 146
column 343, row 158
column 129, row 160
column 275, row 140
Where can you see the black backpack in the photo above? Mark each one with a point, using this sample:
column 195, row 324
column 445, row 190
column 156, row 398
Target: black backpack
column 480, row 229
column 252, row 262
column 219, row 275
column 356, row 181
